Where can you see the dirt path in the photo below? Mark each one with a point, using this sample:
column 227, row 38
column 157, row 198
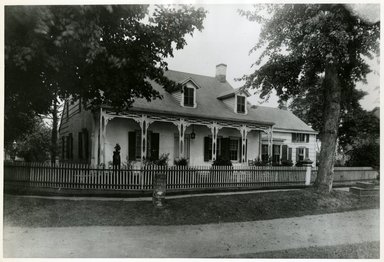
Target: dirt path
column 194, row 240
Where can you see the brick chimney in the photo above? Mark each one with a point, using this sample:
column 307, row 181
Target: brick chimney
column 221, row 72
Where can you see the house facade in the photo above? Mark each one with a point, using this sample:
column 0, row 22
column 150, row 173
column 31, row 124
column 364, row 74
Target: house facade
column 206, row 120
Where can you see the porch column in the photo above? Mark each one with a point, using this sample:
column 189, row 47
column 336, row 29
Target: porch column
column 103, row 136
column 144, row 123
column 182, row 126
column 215, row 130
column 270, row 143
column 244, row 132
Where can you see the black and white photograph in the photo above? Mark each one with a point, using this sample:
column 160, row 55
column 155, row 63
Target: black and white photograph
column 191, row 130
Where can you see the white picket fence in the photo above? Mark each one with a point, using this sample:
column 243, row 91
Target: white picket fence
column 86, row 177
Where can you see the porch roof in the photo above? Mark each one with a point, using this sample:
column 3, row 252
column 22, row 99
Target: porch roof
column 210, row 107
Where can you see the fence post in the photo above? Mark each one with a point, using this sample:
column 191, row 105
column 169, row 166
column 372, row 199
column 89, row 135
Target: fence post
column 308, row 165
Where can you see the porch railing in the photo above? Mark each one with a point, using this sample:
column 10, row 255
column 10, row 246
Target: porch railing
column 179, row 178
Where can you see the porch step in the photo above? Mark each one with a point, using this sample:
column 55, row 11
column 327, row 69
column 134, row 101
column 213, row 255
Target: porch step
column 365, row 191
column 366, row 185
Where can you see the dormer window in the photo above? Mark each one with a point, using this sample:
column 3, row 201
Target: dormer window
column 189, row 96
column 240, row 104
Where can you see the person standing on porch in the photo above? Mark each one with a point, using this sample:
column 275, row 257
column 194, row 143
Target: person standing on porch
column 116, row 158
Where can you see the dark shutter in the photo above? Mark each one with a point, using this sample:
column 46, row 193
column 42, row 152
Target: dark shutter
column 80, row 145
column 155, row 139
column 132, row 145
column 86, row 144
column 290, row 153
column 225, row 148
column 63, row 147
column 246, row 149
column 306, row 153
column 206, row 149
column 297, row 154
column 284, row 153
column 307, row 138
column 240, row 150
column 293, row 137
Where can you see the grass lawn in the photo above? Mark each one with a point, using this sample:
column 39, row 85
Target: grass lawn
column 366, row 250
column 35, row 212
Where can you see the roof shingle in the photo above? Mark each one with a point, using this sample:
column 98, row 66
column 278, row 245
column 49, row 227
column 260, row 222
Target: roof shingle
column 209, row 106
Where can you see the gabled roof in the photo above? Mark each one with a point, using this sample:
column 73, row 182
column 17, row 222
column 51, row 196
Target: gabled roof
column 230, row 93
column 189, row 79
column 210, row 107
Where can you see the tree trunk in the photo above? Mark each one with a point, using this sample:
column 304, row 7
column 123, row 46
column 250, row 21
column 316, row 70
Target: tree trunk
column 331, row 113
column 54, row 132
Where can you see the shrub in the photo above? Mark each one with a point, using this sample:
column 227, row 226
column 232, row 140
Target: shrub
column 365, row 155
column 301, row 163
column 181, row 162
column 162, row 161
column 222, row 162
column 286, row 163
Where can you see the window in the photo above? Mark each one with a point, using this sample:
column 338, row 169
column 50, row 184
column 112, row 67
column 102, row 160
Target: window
column 135, row 144
column 227, row 148
column 264, row 153
column 302, row 153
column 240, row 104
column 300, row 138
column 189, row 96
column 234, row 149
column 276, row 154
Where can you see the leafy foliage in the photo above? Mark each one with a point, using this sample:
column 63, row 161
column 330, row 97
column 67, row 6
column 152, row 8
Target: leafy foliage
column 222, row 162
column 104, row 54
column 365, row 155
column 303, row 43
column 35, row 146
column 356, row 124
column 300, row 40
column 161, row 161
column 181, row 162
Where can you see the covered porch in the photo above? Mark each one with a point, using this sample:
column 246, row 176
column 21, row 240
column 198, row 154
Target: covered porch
column 200, row 141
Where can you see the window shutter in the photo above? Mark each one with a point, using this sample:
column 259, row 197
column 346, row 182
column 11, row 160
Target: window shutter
column 307, row 138
column 306, row 153
column 132, row 145
column 206, row 150
column 70, row 146
column 86, row 144
column 293, row 137
column 297, row 154
column 80, row 145
column 284, row 152
column 155, row 139
column 176, row 146
column 63, row 147
column 290, row 153
column 240, row 150
column 225, row 148
column 246, row 149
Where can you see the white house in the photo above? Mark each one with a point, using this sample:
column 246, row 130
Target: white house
column 208, row 119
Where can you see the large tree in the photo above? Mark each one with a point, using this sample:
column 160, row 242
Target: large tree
column 304, row 42
column 103, row 54
column 356, row 124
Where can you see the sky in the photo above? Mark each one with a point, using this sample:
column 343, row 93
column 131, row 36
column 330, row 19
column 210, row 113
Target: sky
column 227, row 38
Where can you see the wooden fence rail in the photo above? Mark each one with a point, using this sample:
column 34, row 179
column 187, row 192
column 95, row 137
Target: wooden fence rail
column 179, row 178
